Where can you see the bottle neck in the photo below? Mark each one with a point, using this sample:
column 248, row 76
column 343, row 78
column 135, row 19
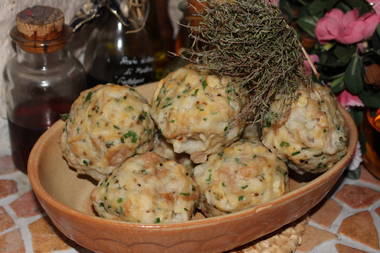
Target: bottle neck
column 41, row 60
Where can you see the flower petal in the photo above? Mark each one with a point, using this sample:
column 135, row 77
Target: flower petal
column 346, row 99
column 349, row 17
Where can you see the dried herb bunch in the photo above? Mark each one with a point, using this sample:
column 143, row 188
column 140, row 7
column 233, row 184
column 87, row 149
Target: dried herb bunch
column 250, row 41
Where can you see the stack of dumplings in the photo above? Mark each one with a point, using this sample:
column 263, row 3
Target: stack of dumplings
column 188, row 151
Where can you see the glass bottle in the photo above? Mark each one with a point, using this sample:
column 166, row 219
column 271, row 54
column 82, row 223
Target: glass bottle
column 161, row 32
column 371, row 119
column 119, row 49
column 42, row 80
column 190, row 9
column 371, row 158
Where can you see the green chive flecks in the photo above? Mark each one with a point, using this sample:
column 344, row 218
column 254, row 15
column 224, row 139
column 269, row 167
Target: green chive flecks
column 88, row 97
column 284, row 144
column 296, row 153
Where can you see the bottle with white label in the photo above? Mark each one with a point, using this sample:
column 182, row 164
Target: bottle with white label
column 119, row 49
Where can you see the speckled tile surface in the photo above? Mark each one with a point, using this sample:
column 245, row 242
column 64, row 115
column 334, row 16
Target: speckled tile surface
column 347, row 221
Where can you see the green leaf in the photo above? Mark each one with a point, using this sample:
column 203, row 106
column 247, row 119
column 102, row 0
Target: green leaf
column 344, row 53
column 330, row 4
column 344, row 7
column 318, row 7
column 337, row 85
column 329, row 59
column 370, row 98
column 362, row 6
column 378, row 30
column 308, row 23
column 358, row 115
column 287, row 9
column 353, row 76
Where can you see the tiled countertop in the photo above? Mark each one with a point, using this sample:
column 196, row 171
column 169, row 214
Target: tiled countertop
column 348, row 221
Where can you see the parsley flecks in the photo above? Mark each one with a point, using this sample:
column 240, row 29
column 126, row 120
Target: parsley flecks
column 64, row 116
column 88, row 96
column 166, row 105
column 244, row 187
column 185, row 194
column 296, row 153
column 119, row 200
column 284, row 144
column 157, row 220
column 241, row 198
column 209, row 176
column 116, row 127
column 187, row 89
column 143, row 115
column 194, row 94
column 85, row 162
column 204, row 83
column 131, row 134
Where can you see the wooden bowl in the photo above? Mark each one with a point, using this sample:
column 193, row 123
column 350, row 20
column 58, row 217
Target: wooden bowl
column 65, row 197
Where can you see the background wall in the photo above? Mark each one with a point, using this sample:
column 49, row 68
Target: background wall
column 8, row 11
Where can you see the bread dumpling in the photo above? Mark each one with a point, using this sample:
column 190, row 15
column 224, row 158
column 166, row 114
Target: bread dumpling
column 312, row 135
column 106, row 125
column 242, row 176
column 197, row 113
column 164, row 149
column 147, row 189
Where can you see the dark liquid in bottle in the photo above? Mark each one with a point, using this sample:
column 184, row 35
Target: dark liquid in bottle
column 132, row 71
column 371, row 158
column 28, row 122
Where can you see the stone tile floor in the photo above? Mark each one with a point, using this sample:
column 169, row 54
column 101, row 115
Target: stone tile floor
column 347, row 221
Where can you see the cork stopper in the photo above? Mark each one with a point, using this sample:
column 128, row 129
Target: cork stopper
column 40, row 23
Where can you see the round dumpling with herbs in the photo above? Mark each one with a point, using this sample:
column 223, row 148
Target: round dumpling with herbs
column 242, row 176
column 106, row 125
column 165, row 150
column 197, row 113
column 312, row 135
column 147, row 189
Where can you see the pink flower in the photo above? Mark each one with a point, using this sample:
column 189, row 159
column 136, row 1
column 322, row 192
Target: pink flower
column 346, row 99
column 314, row 58
column 346, row 28
column 375, row 5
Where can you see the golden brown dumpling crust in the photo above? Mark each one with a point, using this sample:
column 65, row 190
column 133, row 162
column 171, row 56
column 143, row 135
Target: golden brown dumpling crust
column 107, row 124
column 243, row 175
column 313, row 135
column 147, row 189
column 197, row 113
